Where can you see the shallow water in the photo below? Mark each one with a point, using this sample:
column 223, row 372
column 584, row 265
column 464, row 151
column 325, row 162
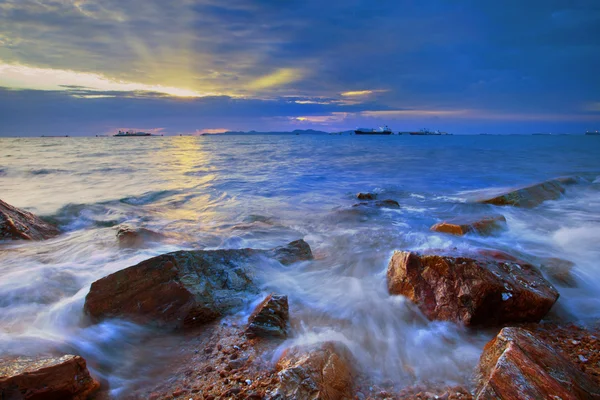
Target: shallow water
column 237, row 191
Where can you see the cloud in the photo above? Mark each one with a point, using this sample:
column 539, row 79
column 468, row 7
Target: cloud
column 24, row 77
column 361, row 93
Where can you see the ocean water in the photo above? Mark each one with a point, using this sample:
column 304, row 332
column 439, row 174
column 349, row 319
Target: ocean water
column 238, row 191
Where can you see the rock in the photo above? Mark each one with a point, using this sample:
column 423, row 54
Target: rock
column 269, row 318
column 46, row 378
column 533, row 195
column 560, row 271
column 474, row 290
column 366, row 196
column 518, row 365
column 17, row 224
column 484, row 226
column 388, row 203
column 322, row 371
column 129, row 236
column 295, row 251
column 184, row 288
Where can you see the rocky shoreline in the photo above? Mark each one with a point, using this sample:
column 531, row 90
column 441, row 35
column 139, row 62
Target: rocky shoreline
column 196, row 294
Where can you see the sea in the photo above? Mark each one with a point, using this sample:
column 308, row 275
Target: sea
column 221, row 192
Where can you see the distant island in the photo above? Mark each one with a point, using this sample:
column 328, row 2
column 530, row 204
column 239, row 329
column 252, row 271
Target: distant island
column 294, row 132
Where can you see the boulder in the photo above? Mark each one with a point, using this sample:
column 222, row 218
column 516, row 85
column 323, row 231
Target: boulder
column 128, row 236
column 484, row 226
column 474, row 291
column 269, row 318
column 518, row 365
column 184, row 288
column 322, row 371
column 45, row 378
column 531, row 196
column 366, row 196
column 17, row 224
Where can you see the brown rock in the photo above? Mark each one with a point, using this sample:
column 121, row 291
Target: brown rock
column 322, row 371
column 184, row 288
column 270, row 317
column 46, row 378
column 517, row 365
column 531, row 196
column 17, row 224
column 366, row 196
column 129, row 236
column 472, row 291
column 461, row 226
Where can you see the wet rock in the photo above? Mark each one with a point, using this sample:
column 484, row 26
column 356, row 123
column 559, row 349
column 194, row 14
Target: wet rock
column 518, row 365
column 474, row 290
column 129, row 236
column 533, row 195
column 269, row 318
column 366, row 196
column 46, row 378
column 295, row 251
column 184, row 288
column 17, row 224
column 322, row 371
column 484, row 226
column 560, row 271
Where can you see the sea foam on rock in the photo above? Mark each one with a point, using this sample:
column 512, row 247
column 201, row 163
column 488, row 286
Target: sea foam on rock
column 185, row 288
column 518, row 365
column 320, row 371
column 129, row 236
column 17, row 224
column 45, row 378
column 531, row 196
column 475, row 290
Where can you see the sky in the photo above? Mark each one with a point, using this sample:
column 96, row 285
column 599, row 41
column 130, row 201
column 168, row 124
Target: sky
column 83, row 67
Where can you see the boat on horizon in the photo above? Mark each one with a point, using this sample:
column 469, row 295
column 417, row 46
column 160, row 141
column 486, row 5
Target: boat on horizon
column 593, row 133
column 385, row 130
column 132, row 134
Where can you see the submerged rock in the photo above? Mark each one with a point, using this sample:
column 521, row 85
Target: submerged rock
column 184, row 288
column 484, row 226
column 17, row 224
column 560, row 271
column 129, row 236
column 366, row 196
column 323, row 371
column 46, row 378
column 472, row 291
column 269, row 318
column 388, row 203
column 533, row 195
column 518, row 365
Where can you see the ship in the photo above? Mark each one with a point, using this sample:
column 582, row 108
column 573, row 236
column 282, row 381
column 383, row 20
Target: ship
column 593, row 133
column 132, row 134
column 366, row 131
